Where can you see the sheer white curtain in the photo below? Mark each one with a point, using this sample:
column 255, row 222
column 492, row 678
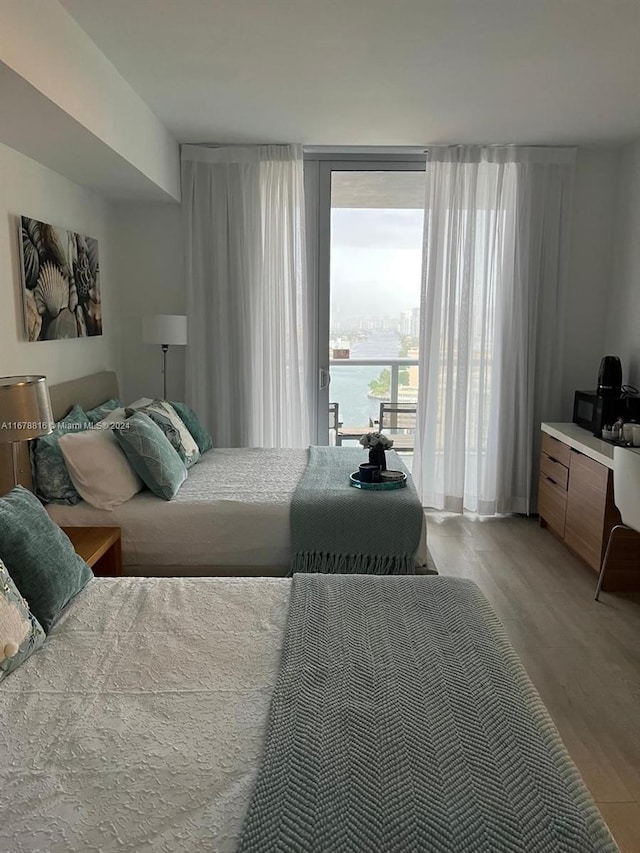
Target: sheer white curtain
column 496, row 245
column 248, row 361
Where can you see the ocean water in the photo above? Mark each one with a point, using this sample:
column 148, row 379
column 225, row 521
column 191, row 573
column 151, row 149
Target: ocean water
column 350, row 384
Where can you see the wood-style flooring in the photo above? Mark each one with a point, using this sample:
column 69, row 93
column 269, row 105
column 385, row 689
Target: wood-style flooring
column 583, row 656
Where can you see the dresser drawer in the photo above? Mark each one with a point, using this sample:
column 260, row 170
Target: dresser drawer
column 557, row 450
column 554, row 471
column 552, row 504
column 586, row 508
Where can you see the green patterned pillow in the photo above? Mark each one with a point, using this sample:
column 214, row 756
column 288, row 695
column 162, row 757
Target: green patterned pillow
column 52, row 482
column 20, row 632
column 151, row 455
column 100, row 412
column 201, row 435
column 39, row 556
column 165, row 416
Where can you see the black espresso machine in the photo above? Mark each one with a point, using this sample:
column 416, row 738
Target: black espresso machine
column 611, row 400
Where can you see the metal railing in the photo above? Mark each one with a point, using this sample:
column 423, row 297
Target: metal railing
column 394, row 363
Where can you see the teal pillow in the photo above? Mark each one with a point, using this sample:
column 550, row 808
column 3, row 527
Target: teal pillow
column 20, row 632
column 165, row 416
column 39, row 556
column 52, row 482
column 101, row 411
column 201, row 435
column 151, row 455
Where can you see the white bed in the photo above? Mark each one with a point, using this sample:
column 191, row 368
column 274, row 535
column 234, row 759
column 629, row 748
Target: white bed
column 231, row 515
column 138, row 726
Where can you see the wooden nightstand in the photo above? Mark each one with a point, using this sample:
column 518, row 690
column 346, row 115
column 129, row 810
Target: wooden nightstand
column 99, row 547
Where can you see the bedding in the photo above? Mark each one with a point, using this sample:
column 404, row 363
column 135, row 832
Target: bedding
column 39, row 556
column 140, row 724
column 151, row 455
column 98, row 468
column 20, row 632
column 402, row 720
column 336, row 528
column 52, row 482
column 166, row 417
column 232, row 511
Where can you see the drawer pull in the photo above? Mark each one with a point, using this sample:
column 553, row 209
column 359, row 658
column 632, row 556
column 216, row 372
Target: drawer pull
column 553, row 459
column 549, row 479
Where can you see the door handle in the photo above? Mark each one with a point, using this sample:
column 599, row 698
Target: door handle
column 324, row 379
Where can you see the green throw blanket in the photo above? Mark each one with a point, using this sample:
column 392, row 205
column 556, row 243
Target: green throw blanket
column 402, row 720
column 336, row 528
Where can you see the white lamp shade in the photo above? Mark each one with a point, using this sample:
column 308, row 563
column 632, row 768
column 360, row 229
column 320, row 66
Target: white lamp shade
column 168, row 329
column 25, row 408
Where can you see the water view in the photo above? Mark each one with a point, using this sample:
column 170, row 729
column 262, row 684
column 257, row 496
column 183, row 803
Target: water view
column 350, row 383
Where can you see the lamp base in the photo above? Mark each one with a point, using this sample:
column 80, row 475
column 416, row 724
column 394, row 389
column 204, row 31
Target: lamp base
column 165, row 349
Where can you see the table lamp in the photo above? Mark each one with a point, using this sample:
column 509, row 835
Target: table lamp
column 166, row 330
column 25, row 412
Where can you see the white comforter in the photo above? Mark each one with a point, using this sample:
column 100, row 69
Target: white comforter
column 233, row 510
column 139, row 725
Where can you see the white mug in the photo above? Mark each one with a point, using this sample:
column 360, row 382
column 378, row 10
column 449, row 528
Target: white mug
column 636, row 435
column 627, row 433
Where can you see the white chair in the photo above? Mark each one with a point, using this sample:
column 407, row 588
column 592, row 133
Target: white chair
column 626, row 495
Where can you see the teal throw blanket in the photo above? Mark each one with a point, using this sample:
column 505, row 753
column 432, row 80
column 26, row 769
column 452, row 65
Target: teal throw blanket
column 402, row 721
column 336, row 528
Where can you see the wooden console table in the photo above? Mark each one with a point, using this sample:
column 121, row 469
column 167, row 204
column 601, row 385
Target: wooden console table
column 575, row 501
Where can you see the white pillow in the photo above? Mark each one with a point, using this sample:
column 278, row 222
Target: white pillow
column 98, row 468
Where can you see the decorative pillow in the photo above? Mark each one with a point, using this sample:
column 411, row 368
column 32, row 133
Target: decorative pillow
column 140, row 404
column 51, row 478
column 101, row 411
column 166, row 417
column 39, row 556
column 189, row 418
column 151, row 455
column 98, row 468
column 20, row 632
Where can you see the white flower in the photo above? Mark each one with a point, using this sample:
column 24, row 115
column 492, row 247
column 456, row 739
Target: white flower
column 376, row 439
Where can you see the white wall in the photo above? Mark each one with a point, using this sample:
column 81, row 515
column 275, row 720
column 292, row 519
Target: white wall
column 147, row 240
column 27, row 188
column 589, row 285
column 623, row 296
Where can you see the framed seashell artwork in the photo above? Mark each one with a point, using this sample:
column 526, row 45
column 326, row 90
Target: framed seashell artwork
column 60, row 282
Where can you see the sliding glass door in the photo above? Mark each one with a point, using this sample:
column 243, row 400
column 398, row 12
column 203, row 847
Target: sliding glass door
column 365, row 237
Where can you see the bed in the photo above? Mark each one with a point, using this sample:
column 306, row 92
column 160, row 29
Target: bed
column 231, row 516
column 140, row 725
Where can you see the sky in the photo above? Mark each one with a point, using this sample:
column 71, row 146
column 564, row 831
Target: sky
column 376, row 259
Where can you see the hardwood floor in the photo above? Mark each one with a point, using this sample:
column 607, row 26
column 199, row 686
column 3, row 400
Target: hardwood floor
column 583, row 656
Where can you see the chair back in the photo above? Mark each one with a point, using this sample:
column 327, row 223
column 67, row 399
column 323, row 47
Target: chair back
column 626, row 485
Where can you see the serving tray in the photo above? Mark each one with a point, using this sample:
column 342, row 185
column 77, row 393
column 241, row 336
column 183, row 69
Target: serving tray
column 354, row 480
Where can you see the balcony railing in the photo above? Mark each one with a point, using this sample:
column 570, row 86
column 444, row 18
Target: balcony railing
column 393, row 363
column 365, row 420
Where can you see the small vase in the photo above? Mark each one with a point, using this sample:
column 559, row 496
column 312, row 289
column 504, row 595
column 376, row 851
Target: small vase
column 377, row 457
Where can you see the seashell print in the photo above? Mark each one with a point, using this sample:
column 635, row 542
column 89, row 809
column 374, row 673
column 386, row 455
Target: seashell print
column 82, row 276
column 73, row 297
column 55, row 249
column 32, row 227
column 92, row 254
column 80, row 323
column 30, row 260
column 93, row 315
column 32, row 317
column 52, row 290
column 61, row 282
column 64, row 326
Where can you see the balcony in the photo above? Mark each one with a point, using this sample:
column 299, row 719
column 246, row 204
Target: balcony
column 359, row 408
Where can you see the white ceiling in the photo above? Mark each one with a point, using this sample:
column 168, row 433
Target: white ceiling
column 378, row 72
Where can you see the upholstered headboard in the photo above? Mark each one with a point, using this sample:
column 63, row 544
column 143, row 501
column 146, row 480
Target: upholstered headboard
column 88, row 392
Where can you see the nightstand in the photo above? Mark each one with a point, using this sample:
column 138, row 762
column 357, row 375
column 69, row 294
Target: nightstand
column 99, row 547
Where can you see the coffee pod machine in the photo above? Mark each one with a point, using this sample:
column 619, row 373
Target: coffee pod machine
column 610, row 377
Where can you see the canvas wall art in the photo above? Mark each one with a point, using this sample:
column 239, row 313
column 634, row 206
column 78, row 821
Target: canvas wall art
column 61, row 282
